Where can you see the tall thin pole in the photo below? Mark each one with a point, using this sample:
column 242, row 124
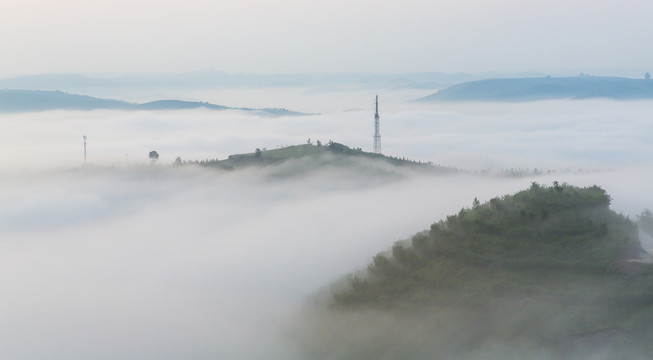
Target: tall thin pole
column 84, row 148
column 377, row 130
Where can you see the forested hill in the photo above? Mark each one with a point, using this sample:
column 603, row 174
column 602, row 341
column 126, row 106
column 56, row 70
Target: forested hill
column 546, row 273
column 547, row 88
column 17, row 101
column 558, row 227
column 300, row 159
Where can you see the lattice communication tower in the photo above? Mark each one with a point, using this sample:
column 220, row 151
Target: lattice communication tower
column 377, row 131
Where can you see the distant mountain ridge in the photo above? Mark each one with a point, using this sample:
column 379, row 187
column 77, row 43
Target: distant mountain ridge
column 17, row 101
column 546, row 88
column 219, row 79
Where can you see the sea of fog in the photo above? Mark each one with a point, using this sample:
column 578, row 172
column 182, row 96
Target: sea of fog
column 549, row 135
column 122, row 258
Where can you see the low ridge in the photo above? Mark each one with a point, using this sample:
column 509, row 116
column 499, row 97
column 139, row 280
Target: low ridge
column 17, row 101
column 546, row 88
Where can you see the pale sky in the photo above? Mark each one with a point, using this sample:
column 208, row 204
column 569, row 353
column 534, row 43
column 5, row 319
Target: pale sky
column 293, row 36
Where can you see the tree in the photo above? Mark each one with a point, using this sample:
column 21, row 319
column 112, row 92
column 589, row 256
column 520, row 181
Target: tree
column 645, row 221
column 154, row 156
column 258, row 152
column 178, row 161
column 556, row 185
column 647, row 76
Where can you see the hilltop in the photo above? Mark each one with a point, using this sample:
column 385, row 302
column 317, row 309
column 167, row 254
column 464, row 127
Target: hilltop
column 17, row 101
column 546, row 88
column 546, row 273
column 301, row 159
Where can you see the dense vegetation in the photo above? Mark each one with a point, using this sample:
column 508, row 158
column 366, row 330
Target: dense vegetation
column 311, row 156
column 559, row 227
column 549, row 272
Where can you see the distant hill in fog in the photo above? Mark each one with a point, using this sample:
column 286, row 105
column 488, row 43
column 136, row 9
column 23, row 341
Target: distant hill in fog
column 16, row 101
column 546, row 273
column 547, row 88
column 29, row 100
column 217, row 79
column 177, row 105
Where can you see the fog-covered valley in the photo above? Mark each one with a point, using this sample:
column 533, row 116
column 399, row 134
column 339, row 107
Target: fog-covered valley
column 548, row 135
column 123, row 257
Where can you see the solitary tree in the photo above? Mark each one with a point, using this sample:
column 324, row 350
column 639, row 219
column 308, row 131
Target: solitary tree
column 154, row 156
column 178, row 161
column 645, row 221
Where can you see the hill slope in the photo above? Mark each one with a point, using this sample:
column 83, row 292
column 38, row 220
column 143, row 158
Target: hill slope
column 29, row 100
column 547, row 88
column 16, row 101
column 302, row 159
column 547, row 273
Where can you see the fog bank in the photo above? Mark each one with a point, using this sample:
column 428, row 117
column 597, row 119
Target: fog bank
column 126, row 259
column 146, row 261
column 547, row 135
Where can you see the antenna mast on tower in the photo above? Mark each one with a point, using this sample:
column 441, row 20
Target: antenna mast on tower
column 84, row 148
column 377, row 131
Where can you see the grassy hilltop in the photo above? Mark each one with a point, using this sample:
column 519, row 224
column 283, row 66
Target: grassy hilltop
column 546, row 273
column 300, row 159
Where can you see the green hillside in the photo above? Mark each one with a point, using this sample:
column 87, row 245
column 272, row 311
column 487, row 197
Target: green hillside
column 308, row 157
column 546, row 273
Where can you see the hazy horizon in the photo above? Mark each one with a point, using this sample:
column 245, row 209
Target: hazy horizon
column 292, row 36
column 635, row 72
